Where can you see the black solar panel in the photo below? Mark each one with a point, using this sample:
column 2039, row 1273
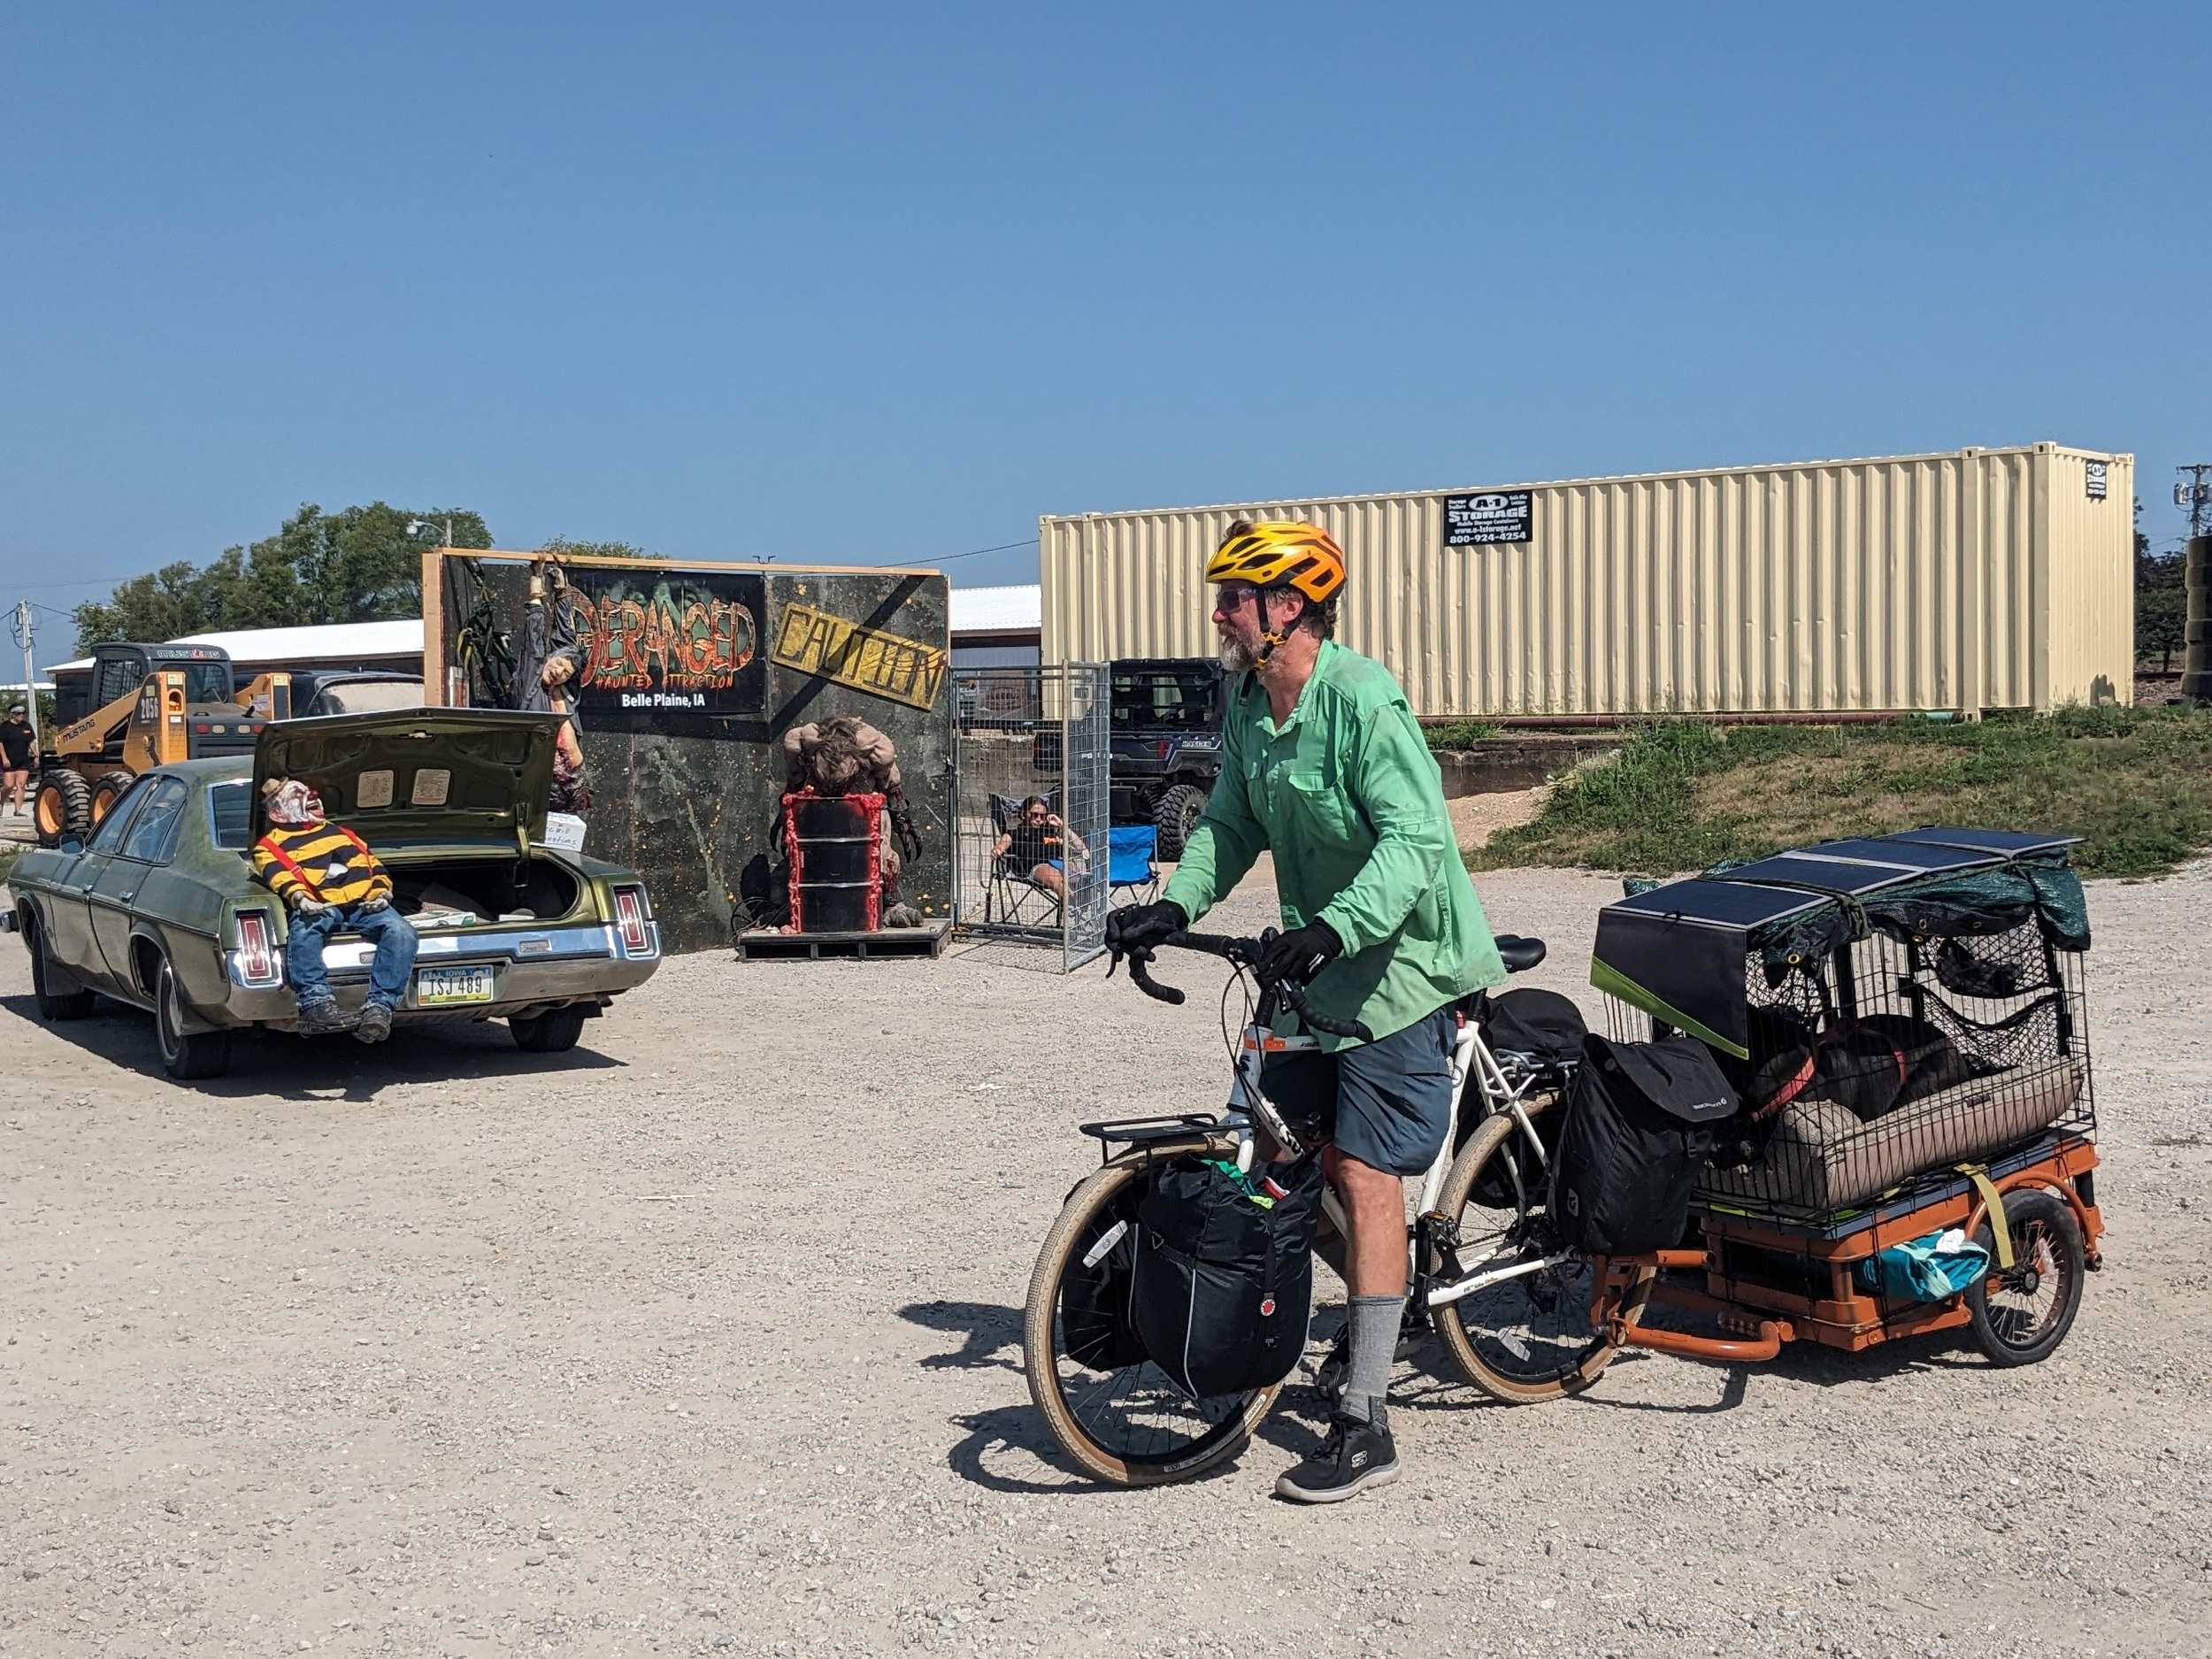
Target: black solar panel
column 1728, row 903
column 1829, row 875
column 1918, row 856
column 2004, row 841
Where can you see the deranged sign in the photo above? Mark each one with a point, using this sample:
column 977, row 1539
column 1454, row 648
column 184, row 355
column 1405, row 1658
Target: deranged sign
column 667, row 641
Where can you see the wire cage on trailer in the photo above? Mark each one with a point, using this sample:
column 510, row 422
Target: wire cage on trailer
column 1892, row 1011
column 1024, row 735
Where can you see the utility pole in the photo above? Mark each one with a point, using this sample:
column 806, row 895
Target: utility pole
column 2195, row 495
column 23, row 630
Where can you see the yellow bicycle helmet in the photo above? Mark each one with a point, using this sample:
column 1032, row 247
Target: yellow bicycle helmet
column 1278, row 552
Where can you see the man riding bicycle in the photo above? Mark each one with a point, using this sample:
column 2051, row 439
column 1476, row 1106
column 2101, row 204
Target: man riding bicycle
column 1325, row 765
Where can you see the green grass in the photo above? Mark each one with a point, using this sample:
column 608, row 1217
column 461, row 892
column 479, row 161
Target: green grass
column 2135, row 783
column 1460, row 733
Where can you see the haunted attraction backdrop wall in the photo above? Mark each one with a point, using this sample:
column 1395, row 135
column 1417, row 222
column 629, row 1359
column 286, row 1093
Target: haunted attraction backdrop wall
column 689, row 675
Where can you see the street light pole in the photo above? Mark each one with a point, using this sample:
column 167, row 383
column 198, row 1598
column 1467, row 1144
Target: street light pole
column 23, row 630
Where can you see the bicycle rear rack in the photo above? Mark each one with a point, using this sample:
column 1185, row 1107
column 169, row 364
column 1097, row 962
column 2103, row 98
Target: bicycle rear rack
column 1135, row 1133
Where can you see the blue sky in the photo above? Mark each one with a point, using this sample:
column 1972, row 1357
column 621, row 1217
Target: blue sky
column 876, row 284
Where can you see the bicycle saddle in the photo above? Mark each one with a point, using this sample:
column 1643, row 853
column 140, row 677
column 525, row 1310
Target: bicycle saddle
column 1518, row 954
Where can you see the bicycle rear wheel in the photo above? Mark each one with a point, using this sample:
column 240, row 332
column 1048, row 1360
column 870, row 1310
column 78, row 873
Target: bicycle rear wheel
column 1124, row 1423
column 1528, row 1337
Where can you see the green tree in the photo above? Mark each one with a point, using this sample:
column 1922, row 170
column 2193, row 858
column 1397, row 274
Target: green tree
column 562, row 545
column 2162, row 603
column 356, row 565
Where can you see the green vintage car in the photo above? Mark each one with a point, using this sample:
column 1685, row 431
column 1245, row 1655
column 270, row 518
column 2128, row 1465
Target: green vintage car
column 162, row 909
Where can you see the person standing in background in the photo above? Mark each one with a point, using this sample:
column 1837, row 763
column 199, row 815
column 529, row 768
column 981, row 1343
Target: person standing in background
column 19, row 756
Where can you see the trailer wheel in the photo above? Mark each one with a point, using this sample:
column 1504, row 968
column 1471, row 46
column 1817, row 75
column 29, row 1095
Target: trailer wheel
column 62, row 807
column 2020, row 1314
column 1174, row 818
column 107, row 789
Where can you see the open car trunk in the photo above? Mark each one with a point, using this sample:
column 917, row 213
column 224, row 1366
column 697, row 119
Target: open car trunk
column 448, row 779
column 436, row 891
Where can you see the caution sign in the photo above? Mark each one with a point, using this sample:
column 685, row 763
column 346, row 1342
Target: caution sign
column 1496, row 515
column 867, row 659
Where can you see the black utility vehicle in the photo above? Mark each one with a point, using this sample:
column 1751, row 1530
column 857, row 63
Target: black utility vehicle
column 1166, row 721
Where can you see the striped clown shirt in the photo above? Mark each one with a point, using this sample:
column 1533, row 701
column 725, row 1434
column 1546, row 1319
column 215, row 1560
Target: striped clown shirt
column 322, row 861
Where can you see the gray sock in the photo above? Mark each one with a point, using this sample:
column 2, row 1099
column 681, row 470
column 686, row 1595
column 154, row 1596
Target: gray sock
column 1375, row 1321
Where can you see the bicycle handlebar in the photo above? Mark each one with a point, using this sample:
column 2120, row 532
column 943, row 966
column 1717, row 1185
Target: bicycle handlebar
column 1245, row 952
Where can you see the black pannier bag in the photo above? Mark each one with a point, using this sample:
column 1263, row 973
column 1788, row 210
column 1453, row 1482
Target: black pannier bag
column 1094, row 1327
column 1222, row 1288
column 1639, row 1128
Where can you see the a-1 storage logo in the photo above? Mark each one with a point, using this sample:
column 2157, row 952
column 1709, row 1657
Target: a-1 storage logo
column 1498, row 515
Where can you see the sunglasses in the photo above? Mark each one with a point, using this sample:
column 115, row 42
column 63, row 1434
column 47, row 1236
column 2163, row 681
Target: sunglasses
column 1229, row 597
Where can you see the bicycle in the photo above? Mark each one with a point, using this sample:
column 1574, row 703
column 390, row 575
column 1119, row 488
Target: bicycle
column 1516, row 1325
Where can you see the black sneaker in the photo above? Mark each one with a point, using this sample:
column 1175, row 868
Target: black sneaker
column 376, row 1023
column 1356, row 1456
column 323, row 1019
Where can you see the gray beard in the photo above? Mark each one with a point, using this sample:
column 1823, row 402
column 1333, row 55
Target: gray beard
column 1234, row 657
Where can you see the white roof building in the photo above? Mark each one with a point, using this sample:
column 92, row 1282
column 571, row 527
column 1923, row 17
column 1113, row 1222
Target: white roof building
column 1019, row 610
column 330, row 644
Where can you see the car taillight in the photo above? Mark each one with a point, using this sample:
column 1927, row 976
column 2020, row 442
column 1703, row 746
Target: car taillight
column 200, row 727
column 629, row 920
column 257, row 952
column 1160, row 749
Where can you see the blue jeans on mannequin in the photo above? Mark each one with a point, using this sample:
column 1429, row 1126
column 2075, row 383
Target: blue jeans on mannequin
column 392, row 934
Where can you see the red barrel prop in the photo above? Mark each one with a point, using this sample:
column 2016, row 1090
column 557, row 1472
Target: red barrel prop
column 835, row 845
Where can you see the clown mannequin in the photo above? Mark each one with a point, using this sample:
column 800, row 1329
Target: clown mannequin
column 331, row 883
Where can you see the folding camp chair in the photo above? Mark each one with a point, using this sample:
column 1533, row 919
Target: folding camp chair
column 1009, row 895
column 1129, row 872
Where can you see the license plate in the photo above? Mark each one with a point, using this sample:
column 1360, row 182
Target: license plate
column 434, row 986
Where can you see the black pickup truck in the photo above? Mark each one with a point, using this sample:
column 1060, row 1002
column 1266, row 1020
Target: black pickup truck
column 1166, row 728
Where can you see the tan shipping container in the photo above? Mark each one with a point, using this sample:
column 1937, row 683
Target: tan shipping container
column 1966, row 581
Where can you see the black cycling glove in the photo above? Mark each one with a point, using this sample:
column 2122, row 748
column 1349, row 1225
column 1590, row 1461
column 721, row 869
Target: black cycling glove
column 1140, row 926
column 1299, row 954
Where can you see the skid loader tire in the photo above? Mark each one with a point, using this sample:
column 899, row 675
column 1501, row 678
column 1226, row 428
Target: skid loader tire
column 62, row 810
column 107, row 789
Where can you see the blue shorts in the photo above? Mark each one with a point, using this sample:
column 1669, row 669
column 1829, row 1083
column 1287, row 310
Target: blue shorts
column 1387, row 1104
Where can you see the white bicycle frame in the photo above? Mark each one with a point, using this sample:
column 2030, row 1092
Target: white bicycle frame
column 1472, row 1058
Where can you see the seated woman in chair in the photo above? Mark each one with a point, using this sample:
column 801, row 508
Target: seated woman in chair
column 1037, row 844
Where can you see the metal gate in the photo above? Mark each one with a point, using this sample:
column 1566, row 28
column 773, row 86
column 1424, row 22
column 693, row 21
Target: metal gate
column 1026, row 735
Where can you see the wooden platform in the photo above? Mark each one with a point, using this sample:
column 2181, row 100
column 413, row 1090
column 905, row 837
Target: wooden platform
column 767, row 945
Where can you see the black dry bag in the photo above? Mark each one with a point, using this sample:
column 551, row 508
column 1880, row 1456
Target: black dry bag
column 1640, row 1127
column 1223, row 1288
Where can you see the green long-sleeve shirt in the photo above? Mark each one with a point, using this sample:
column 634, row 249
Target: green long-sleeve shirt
column 1351, row 802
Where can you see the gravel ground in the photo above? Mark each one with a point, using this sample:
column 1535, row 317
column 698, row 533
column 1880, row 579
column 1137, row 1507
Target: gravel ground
column 705, row 1338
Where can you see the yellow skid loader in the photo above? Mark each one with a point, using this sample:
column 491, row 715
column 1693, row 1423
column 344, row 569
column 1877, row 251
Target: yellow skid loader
column 158, row 703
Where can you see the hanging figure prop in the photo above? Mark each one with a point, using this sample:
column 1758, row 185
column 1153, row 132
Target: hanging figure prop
column 847, row 756
column 550, row 658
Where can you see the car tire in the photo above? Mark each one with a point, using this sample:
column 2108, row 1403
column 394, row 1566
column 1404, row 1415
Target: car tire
column 553, row 1032
column 53, row 1005
column 62, row 808
column 107, row 789
column 1174, row 819
column 184, row 1055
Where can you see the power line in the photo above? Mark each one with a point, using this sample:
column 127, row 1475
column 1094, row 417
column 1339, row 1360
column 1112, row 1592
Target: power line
column 975, row 553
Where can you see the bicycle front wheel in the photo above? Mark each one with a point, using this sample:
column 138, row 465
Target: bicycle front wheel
column 1112, row 1411
column 1529, row 1336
